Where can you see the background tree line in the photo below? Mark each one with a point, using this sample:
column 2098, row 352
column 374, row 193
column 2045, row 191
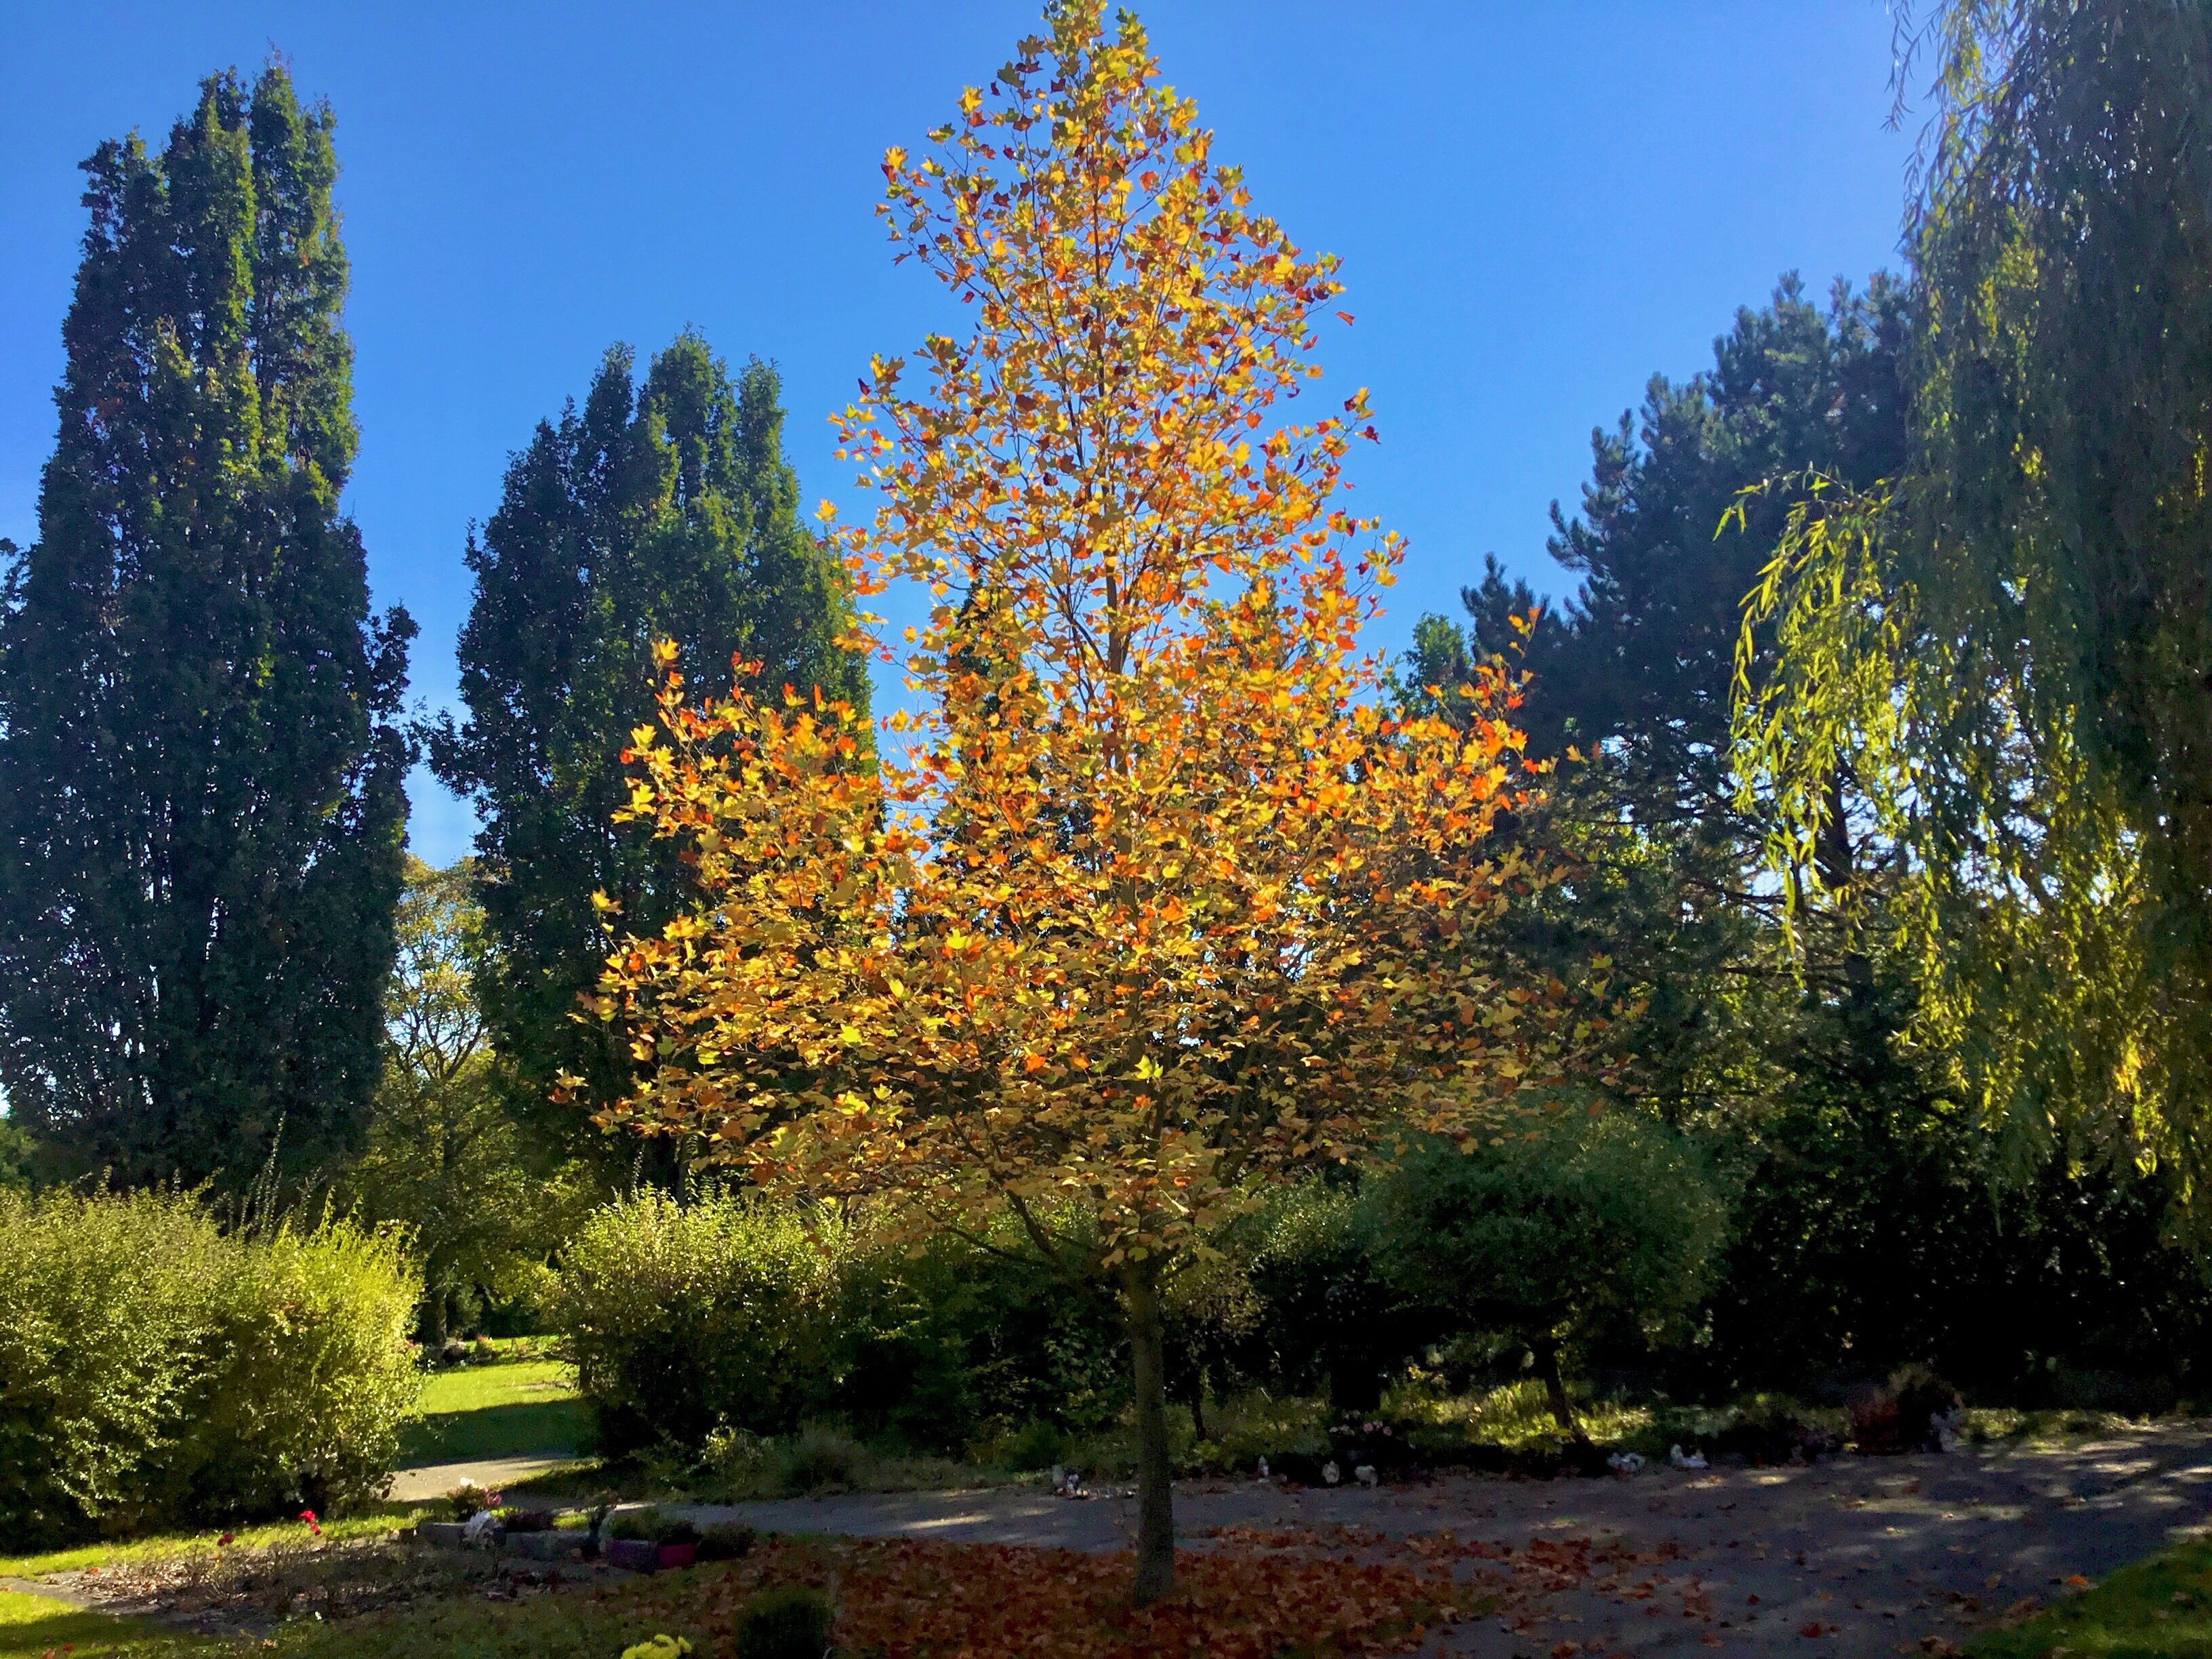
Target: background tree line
column 1908, row 877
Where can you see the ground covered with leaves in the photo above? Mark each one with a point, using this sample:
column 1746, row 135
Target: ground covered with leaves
column 914, row 1599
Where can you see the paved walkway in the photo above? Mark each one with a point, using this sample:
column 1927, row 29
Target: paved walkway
column 1862, row 1556
column 419, row 1485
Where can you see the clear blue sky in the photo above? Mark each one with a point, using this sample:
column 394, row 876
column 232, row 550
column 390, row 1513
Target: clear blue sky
column 1537, row 207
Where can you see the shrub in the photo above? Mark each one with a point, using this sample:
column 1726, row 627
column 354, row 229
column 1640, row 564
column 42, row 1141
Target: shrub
column 636, row 1526
column 156, row 1369
column 816, row 1461
column 682, row 1318
column 1899, row 1415
column 792, row 1622
column 1327, row 1318
column 698, row 1329
column 314, row 1376
column 1581, row 1228
column 963, row 1339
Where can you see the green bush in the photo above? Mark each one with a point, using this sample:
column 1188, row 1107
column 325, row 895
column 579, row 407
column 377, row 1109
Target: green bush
column 155, row 1368
column 682, row 1318
column 1574, row 1231
column 968, row 1340
column 817, row 1460
column 698, row 1328
column 792, row 1622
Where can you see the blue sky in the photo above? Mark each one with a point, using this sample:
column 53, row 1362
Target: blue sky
column 1537, row 207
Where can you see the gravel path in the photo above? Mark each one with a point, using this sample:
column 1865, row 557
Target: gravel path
column 1859, row 1557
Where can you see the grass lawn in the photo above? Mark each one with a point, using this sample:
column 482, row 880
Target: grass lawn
column 163, row 1546
column 2161, row 1608
column 31, row 1627
column 507, row 1410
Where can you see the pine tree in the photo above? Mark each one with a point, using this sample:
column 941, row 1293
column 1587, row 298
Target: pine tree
column 200, row 768
column 665, row 511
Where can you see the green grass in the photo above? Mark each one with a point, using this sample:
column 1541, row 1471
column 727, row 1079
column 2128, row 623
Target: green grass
column 507, row 1410
column 459, row 1627
column 2161, row 1608
column 565, row 1627
column 32, row 1626
column 2055, row 1425
column 164, row 1546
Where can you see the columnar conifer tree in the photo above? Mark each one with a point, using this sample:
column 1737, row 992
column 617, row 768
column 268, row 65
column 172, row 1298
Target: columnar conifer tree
column 200, row 769
column 660, row 511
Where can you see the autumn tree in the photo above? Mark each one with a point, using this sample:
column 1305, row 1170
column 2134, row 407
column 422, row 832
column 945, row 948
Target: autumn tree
column 201, row 758
column 1150, row 904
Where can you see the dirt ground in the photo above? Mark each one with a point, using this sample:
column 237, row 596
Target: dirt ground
column 1853, row 1557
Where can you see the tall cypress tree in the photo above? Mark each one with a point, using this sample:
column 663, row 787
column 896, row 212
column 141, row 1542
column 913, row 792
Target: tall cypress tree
column 660, row 511
column 201, row 767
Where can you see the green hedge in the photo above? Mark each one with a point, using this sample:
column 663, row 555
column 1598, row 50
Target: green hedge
column 730, row 1311
column 682, row 1316
column 156, row 1368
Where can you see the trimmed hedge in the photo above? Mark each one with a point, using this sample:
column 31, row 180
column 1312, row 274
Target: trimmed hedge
column 157, row 1370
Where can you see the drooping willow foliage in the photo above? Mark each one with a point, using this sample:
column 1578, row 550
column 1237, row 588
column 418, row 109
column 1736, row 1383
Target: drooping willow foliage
column 2001, row 665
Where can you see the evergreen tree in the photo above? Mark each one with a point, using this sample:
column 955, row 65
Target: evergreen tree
column 200, row 770
column 1851, row 1165
column 1636, row 670
column 665, row 511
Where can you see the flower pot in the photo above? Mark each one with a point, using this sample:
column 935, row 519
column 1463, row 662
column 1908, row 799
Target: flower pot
column 679, row 1555
column 632, row 1554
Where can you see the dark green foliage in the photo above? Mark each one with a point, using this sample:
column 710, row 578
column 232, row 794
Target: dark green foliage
column 1575, row 1231
column 200, row 767
column 793, row 1621
column 1326, row 1319
column 157, row 1370
column 1862, row 1202
column 15, row 1155
column 946, row 1347
column 1636, row 668
column 660, row 511
column 725, row 1540
column 729, row 1312
column 1875, row 1221
column 1647, row 665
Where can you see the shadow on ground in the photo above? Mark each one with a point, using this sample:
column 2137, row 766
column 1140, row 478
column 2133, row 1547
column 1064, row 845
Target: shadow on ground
column 505, row 1430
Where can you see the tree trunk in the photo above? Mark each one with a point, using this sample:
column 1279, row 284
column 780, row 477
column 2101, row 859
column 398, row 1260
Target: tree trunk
column 1198, row 1402
column 1140, row 1301
column 1555, row 1391
column 434, row 1319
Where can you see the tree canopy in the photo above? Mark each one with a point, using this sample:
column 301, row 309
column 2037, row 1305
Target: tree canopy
column 1153, row 904
column 201, row 763
column 663, row 510
column 2005, row 654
